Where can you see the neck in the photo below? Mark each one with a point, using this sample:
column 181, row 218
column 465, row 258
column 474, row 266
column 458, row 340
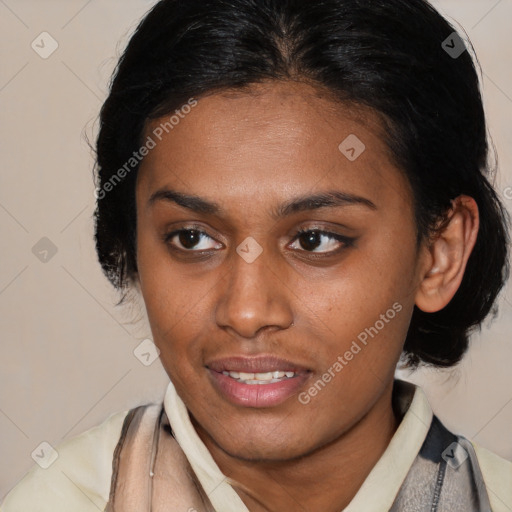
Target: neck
column 335, row 471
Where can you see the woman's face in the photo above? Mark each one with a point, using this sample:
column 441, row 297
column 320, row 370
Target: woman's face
column 234, row 292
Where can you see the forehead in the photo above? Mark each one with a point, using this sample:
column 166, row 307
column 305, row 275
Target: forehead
column 273, row 139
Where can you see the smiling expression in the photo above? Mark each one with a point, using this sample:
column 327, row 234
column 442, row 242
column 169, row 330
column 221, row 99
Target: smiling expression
column 334, row 246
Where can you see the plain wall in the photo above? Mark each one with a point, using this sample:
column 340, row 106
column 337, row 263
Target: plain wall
column 67, row 352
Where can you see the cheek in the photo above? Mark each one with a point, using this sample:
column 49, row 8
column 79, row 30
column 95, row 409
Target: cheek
column 163, row 287
column 172, row 301
column 384, row 266
column 368, row 302
column 366, row 284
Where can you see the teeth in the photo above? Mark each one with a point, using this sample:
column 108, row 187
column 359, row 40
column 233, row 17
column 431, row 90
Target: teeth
column 263, row 376
column 259, row 378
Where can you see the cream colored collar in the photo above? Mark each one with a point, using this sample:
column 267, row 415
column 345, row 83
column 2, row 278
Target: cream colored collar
column 378, row 490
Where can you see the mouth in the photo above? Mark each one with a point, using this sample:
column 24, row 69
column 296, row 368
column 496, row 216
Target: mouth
column 263, row 381
column 259, row 378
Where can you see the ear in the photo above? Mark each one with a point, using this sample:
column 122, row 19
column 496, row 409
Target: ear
column 447, row 256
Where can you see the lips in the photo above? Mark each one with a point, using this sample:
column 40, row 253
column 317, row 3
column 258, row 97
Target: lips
column 263, row 381
column 259, row 364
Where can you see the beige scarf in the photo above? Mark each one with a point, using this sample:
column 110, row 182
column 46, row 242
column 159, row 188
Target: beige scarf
column 150, row 471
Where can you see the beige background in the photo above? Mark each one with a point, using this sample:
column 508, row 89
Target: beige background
column 67, row 352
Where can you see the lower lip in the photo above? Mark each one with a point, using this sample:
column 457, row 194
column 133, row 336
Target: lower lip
column 257, row 395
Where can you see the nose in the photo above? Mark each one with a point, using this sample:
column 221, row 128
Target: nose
column 253, row 297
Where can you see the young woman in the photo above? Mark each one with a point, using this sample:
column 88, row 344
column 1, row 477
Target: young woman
column 299, row 190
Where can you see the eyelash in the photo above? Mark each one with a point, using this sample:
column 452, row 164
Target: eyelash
column 344, row 240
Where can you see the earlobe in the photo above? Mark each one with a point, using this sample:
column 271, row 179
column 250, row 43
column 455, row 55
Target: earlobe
column 448, row 255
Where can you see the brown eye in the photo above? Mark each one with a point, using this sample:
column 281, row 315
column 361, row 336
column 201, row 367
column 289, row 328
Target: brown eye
column 310, row 240
column 188, row 239
column 313, row 239
column 191, row 240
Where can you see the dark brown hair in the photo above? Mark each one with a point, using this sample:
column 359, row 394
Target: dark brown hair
column 389, row 55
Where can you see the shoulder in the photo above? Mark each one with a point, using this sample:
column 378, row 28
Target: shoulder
column 497, row 475
column 78, row 479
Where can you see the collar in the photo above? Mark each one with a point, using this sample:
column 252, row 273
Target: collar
column 377, row 492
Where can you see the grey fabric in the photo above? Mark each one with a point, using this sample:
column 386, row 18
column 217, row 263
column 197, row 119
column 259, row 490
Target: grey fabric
column 445, row 476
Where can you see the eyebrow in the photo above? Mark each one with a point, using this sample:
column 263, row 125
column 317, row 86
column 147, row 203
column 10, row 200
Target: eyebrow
column 328, row 199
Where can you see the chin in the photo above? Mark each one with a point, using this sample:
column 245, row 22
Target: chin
column 263, row 452
column 272, row 444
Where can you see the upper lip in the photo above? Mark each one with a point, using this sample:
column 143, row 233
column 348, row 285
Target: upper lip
column 258, row 364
